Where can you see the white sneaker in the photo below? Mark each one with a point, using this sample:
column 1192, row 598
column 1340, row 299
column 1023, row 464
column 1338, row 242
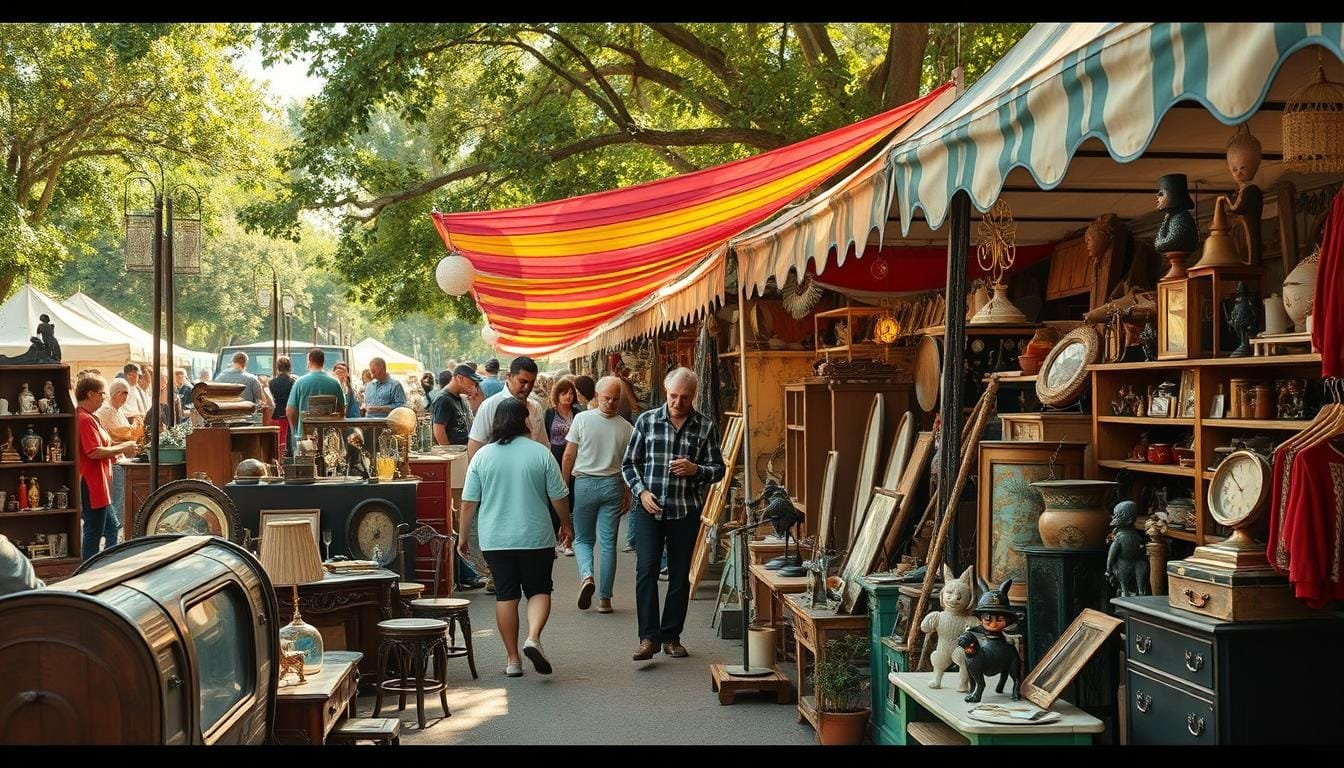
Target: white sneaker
column 533, row 651
column 567, row 551
column 513, row 670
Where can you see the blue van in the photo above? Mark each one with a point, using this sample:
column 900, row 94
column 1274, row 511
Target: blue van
column 259, row 360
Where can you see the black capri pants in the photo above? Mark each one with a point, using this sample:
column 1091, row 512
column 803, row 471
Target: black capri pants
column 525, row 569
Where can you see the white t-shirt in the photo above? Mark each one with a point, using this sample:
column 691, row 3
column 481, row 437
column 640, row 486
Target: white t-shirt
column 601, row 440
column 112, row 418
column 485, row 417
column 137, row 402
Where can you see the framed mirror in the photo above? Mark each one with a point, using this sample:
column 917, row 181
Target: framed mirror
column 928, row 372
column 1066, row 658
column 1064, row 372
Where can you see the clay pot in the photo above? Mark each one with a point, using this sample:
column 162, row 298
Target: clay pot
column 1030, row 364
column 1160, row 453
column 1299, row 290
column 842, row 728
column 1076, row 512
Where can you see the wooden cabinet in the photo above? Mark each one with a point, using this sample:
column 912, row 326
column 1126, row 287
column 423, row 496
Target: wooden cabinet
column 1190, row 679
column 1070, row 270
column 346, row 609
column 850, row 341
column 434, row 506
column 812, row 628
column 306, row 713
column 136, row 488
column 216, row 451
column 24, row 526
column 1051, row 428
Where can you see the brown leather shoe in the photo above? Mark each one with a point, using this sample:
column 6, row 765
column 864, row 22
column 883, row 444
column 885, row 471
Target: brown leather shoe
column 603, row 605
column 675, row 650
column 646, row 650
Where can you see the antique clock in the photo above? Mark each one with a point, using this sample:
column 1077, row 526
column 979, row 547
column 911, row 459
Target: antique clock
column 886, row 329
column 189, row 507
column 1237, row 494
column 371, row 532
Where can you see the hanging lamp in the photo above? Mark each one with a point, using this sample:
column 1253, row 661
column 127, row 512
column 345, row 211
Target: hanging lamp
column 1313, row 126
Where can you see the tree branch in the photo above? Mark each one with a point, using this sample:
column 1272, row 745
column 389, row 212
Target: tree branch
column 821, row 58
column 613, row 98
column 711, row 57
column 669, row 80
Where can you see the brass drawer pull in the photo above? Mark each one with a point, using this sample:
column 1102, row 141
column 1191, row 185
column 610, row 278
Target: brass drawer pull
column 1142, row 643
column 1143, row 701
column 1193, row 724
column 1201, row 602
column 1194, row 661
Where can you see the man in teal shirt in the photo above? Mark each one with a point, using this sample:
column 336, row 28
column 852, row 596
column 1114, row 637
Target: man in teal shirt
column 315, row 382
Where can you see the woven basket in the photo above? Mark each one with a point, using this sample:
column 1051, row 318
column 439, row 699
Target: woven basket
column 1313, row 127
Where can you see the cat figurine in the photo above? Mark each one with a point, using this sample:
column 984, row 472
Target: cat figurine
column 957, row 598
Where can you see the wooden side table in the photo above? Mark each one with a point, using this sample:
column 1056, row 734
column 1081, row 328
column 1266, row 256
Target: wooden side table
column 346, row 609
column 940, row 716
column 307, row 712
column 768, row 588
column 812, row 628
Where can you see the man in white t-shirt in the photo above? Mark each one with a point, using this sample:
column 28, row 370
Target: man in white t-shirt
column 592, row 463
column 137, row 399
column 522, row 375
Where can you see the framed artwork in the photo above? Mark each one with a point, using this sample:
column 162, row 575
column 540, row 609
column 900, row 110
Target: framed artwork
column 311, row 516
column 1218, row 406
column 868, row 469
column 865, row 549
column 1066, row 658
column 1159, row 406
column 1187, row 394
column 916, row 470
column 193, row 507
column 1173, row 319
column 1008, row 507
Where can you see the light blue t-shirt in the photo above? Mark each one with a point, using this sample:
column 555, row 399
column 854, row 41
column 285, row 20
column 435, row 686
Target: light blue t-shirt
column 513, row 484
column 491, row 386
column 386, row 392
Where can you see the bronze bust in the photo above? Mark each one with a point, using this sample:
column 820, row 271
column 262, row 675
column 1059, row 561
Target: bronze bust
column 1177, row 233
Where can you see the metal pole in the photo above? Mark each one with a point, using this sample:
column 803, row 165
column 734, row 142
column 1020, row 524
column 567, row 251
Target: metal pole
column 168, row 314
column 314, row 310
column 954, row 343
column 275, row 320
column 158, row 336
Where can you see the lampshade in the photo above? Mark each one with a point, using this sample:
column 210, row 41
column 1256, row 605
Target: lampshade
column 454, row 274
column 490, row 336
column 290, row 554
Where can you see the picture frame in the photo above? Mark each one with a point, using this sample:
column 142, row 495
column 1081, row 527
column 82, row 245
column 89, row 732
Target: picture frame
column 311, row 516
column 1008, row 507
column 866, row 547
column 1159, row 406
column 1067, row 657
column 194, row 507
column 1187, row 400
column 1218, row 406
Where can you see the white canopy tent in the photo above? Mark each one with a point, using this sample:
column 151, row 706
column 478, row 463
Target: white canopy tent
column 182, row 357
column 84, row 342
column 397, row 363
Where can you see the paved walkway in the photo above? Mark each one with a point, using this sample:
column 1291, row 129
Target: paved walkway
column 596, row 694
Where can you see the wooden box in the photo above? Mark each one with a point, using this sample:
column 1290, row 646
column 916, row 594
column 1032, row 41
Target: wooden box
column 1222, row 593
column 216, row 451
column 1211, row 289
column 1050, row 427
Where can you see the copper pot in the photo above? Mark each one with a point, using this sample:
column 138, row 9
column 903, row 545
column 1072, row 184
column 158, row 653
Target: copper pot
column 1160, row 453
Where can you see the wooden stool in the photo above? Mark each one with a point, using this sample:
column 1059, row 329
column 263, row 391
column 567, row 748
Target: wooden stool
column 415, row 641
column 408, row 591
column 457, row 613
column 385, row 731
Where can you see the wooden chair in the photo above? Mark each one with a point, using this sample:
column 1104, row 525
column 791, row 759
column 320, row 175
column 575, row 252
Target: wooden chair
column 408, row 589
column 385, row 731
column 456, row 612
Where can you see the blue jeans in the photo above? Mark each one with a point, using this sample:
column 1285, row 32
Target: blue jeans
column 98, row 523
column 630, row 533
column 675, row 540
column 597, row 509
column 118, row 490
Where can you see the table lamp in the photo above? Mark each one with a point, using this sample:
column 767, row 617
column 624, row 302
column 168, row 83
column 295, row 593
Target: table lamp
column 290, row 557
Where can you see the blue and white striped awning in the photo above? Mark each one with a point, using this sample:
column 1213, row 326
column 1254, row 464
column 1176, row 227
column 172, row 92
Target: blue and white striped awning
column 1066, row 83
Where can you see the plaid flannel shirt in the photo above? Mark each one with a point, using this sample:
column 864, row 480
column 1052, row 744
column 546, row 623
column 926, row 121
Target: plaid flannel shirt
column 654, row 443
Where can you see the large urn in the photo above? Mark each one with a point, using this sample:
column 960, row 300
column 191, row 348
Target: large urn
column 1076, row 512
column 1299, row 289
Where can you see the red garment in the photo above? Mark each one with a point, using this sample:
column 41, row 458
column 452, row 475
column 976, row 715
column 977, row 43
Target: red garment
column 96, row 473
column 1327, row 324
column 1313, row 525
column 1276, row 548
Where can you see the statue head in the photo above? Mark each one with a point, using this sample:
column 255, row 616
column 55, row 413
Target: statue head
column 1124, row 515
column 1100, row 233
column 1173, row 194
column 44, row 318
column 1243, row 155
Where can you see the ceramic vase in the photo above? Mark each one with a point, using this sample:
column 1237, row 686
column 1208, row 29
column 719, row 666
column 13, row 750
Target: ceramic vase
column 31, row 445
column 1076, row 512
column 1276, row 318
column 1299, row 289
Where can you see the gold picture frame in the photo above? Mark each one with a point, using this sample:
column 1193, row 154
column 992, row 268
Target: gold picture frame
column 311, row 516
column 1186, row 404
column 1066, row 658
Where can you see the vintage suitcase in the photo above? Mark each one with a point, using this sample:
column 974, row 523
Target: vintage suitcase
column 161, row 640
column 1219, row 592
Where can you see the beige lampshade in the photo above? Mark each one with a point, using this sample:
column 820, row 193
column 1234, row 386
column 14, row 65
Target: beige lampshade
column 290, row 556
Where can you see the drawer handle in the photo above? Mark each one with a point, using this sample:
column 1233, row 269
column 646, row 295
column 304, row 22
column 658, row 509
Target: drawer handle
column 1143, row 701
column 1194, row 661
column 174, row 681
column 1193, row 724
column 1201, row 602
column 1142, row 643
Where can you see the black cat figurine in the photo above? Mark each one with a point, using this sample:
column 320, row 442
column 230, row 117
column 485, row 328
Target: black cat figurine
column 988, row 652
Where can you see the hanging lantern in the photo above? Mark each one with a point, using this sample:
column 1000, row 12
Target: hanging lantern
column 1313, row 127
column 490, row 336
column 995, row 255
column 454, row 274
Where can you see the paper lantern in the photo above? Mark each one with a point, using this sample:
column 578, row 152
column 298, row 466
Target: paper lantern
column 454, row 274
column 490, row 336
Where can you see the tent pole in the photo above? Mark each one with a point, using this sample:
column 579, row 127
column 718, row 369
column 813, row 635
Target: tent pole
column 954, row 324
column 158, row 341
column 169, row 391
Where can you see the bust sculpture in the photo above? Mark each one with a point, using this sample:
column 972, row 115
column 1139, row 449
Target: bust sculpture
column 47, row 332
column 1177, row 234
column 1241, row 318
column 1243, row 160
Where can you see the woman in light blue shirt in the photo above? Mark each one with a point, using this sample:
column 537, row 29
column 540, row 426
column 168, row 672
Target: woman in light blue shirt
column 508, row 486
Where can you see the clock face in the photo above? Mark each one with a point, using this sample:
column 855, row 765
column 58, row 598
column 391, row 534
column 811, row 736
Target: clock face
column 372, row 531
column 886, row 329
column 1239, row 489
column 190, row 507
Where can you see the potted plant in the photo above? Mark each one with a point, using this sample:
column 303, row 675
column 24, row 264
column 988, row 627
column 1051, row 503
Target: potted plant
column 842, row 691
column 173, row 443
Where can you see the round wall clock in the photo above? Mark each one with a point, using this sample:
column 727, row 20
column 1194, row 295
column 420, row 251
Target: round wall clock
column 189, row 507
column 1064, row 372
column 886, row 330
column 371, row 532
column 1239, row 489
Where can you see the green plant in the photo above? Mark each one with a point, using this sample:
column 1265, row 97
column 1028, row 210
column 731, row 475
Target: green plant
column 842, row 682
column 175, row 436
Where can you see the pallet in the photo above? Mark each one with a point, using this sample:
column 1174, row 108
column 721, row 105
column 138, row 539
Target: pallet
column 1268, row 345
column 728, row 686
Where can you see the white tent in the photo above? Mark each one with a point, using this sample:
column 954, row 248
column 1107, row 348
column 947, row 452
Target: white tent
column 182, row 357
column 84, row 343
column 397, row 363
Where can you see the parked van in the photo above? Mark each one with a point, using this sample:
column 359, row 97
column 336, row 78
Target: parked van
column 259, row 356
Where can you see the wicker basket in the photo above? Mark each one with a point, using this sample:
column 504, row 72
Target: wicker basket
column 1313, row 127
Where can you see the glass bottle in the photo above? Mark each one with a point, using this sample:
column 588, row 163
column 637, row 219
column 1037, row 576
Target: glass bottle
column 55, row 449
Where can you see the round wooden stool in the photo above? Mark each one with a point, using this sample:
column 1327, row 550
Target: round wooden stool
column 457, row 613
column 414, row 642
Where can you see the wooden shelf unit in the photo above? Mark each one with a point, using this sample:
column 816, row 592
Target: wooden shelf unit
column 1114, row 436
column 867, row 349
column 768, row 371
column 23, row 527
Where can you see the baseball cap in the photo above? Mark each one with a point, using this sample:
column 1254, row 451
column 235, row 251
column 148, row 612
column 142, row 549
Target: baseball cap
column 466, row 370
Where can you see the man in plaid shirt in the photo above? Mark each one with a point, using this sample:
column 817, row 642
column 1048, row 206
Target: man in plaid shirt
column 672, row 460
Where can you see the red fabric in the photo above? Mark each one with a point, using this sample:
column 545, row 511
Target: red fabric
column 893, row 269
column 1327, row 324
column 96, row 473
column 1312, row 527
column 283, row 424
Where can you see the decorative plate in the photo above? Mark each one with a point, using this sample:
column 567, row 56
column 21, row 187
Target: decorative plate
column 928, row 372
column 1012, row 715
column 372, row 529
column 1064, row 372
column 191, row 507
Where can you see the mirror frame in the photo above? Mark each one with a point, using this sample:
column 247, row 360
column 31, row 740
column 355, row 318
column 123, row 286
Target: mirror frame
column 1067, row 393
column 1066, row 658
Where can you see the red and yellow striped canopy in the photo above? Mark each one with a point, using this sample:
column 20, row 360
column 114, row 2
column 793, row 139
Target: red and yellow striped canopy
column 548, row 274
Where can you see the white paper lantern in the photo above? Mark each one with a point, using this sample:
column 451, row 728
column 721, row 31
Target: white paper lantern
column 490, row 336
column 454, row 274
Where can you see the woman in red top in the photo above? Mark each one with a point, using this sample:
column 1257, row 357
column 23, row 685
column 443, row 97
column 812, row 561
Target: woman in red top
column 96, row 451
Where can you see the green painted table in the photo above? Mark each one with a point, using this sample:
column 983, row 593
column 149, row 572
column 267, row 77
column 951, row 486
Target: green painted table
column 929, row 716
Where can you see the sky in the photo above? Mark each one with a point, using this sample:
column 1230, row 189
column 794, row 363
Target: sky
column 286, row 81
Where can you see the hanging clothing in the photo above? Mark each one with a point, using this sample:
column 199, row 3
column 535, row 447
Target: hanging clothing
column 1307, row 534
column 1327, row 324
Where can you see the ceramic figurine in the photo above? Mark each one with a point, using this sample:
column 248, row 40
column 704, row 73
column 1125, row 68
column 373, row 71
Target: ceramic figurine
column 47, row 333
column 4, row 407
column 948, row 624
column 55, row 449
column 34, row 494
column 1127, row 559
column 27, row 403
column 1178, row 233
column 1242, row 320
column 7, row 453
column 31, row 445
column 1243, row 160
column 992, row 654
column 1148, row 341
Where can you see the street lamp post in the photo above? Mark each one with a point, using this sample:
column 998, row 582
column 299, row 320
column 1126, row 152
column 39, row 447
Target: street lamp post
column 269, row 298
column 287, row 303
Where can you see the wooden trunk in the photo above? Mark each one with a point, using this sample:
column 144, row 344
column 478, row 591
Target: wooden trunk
column 216, row 451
